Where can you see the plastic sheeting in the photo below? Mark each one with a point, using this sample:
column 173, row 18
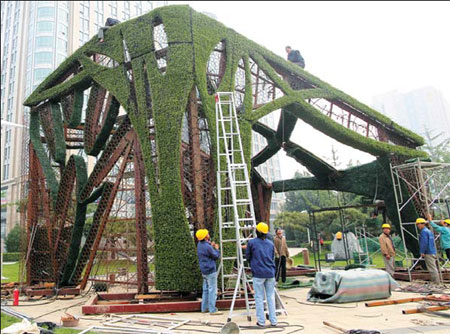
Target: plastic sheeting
column 338, row 247
column 343, row 286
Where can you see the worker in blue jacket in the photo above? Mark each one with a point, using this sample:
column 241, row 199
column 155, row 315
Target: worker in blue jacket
column 260, row 253
column 208, row 253
column 444, row 231
column 428, row 249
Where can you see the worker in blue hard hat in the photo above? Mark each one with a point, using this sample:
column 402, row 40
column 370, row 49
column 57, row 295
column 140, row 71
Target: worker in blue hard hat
column 260, row 252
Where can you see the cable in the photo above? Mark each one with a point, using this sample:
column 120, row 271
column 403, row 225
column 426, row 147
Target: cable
column 315, row 304
column 59, row 309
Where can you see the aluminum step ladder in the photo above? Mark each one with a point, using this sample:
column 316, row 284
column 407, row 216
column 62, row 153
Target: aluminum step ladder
column 235, row 205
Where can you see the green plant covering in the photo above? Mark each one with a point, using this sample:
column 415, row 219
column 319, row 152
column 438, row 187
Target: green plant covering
column 163, row 97
column 368, row 180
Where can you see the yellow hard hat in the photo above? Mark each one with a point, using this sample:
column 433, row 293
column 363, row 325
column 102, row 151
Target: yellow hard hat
column 420, row 221
column 339, row 235
column 262, row 227
column 386, row 226
column 201, row 234
column 447, row 221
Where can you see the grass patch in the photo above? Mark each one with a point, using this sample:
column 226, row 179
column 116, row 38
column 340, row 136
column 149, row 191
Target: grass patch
column 11, row 271
column 8, row 320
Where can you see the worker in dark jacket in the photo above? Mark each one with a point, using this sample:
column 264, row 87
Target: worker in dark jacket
column 207, row 255
column 295, row 57
column 428, row 249
column 260, row 253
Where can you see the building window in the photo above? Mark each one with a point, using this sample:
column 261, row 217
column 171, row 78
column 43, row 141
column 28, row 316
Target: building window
column 45, row 26
column 113, row 8
column 44, row 42
column 60, row 59
column 126, row 10
column 137, row 8
column 41, row 73
column 62, row 45
column 63, row 16
column 43, row 58
column 45, row 12
column 62, row 29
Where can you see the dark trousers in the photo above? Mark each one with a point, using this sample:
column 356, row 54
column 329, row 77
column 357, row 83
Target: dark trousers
column 447, row 251
column 280, row 263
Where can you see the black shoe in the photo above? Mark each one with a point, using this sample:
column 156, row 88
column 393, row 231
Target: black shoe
column 273, row 325
column 259, row 325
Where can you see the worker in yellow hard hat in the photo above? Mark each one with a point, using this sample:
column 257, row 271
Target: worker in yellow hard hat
column 387, row 248
column 260, row 253
column 444, row 231
column 428, row 249
column 208, row 253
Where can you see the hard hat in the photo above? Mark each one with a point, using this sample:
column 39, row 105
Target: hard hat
column 420, row 221
column 447, row 221
column 339, row 235
column 386, row 226
column 262, row 227
column 201, row 234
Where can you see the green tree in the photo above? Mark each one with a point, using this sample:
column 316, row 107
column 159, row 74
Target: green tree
column 439, row 152
column 294, row 225
column 13, row 239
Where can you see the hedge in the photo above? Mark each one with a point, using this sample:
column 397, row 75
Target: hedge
column 12, row 257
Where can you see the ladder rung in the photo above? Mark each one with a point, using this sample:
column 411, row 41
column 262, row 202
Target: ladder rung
column 246, row 219
column 240, row 182
column 238, row 166
column 230, row 258
column 243, row 201
column 230, row 275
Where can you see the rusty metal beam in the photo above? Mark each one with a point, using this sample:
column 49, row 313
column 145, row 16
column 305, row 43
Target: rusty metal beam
column 92, row 244
column 140, row 215
column 196, row 159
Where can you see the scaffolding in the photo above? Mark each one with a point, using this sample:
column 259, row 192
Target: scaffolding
column 361, row 233
column 428, row 189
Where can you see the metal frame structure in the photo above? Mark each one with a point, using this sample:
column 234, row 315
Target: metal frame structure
column 428, row 186
column 344, row 226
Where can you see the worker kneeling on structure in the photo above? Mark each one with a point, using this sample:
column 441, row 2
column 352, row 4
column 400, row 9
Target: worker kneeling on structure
column 428, row 249
column 260, row 253
column 207, row 255
column 387, row 248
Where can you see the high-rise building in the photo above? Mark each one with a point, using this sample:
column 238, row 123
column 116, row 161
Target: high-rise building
column 417, row 110
column 36, row 36
column 270, row 170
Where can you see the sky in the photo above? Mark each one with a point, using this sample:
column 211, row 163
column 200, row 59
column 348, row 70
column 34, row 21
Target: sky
column 362, row 48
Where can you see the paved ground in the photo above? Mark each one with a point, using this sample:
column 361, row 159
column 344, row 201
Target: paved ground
column 388, row 319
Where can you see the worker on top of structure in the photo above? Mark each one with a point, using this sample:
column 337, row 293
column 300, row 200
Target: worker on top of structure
column 108, row 24
column 207, row 255
column 387, row 248
column 428, row 249
column 295, row 57
column 260, row 253
column 444, row 231
column 281, row 255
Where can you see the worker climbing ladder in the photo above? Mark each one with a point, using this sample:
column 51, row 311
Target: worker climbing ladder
column 236, row 212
